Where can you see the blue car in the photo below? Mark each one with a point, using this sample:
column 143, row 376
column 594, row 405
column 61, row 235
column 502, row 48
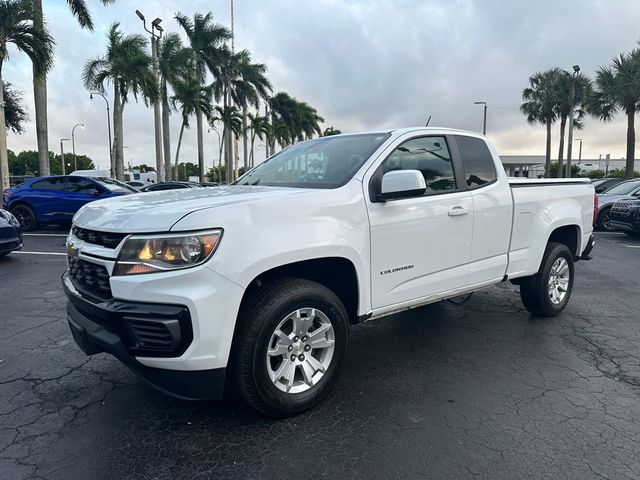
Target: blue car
column 56, row 199
column 10, row 233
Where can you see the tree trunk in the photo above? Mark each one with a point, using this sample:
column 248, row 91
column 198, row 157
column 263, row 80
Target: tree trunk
column 178, row 147
column 166, row 132
column 547, row 166
column 563, row 124
column 200, row 145
column 253, row 141
column 40, row 101
column 631, row 144
column 118, row 132
column 245, row 140
column 4, row 155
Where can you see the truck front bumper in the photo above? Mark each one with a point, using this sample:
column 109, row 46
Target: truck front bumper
column 134, row 331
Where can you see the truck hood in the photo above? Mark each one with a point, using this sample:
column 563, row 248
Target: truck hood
column 159, row 211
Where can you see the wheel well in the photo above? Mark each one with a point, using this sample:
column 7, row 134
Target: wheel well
column 568, row 235
column 336, row 273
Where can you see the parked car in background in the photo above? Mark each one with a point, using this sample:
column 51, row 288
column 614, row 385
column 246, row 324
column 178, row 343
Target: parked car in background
column 625, row 216
column 56, row 199
column 156, row 187
column 603, row 184
column 612, row 195
column 10, row 233
column 137, row 184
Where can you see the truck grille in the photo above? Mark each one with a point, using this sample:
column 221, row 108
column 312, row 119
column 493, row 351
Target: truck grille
column 104, row 239
column 90, row 278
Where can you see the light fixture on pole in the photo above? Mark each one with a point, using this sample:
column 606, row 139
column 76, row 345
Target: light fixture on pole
column 112, row 167
column 157, row 122
column 64, row 169
column 73, row 143
column 484, row 120
column 572, row 100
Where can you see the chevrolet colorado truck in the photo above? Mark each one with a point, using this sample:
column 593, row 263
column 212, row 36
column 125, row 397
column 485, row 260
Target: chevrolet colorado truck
column 255, row 285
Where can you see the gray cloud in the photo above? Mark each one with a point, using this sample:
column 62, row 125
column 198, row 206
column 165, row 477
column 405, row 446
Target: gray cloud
column 365, row 64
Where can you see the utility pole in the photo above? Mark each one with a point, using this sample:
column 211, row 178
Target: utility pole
column 64, row 170
column 484, row 119
column 157, row 122
column 576, row 70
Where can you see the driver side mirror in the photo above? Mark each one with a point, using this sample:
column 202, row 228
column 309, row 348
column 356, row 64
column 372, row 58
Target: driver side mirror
column 93, row 192
column 402, row 184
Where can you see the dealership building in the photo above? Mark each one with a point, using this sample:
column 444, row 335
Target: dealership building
column 532, row 166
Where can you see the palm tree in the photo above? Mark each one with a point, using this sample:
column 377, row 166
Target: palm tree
column 127, row 66
column 293, row 120
column 173, row 59
column 206, row 39
column 14, row 111
column 259, row 127
column 190, row 98
column 581, row 98
column 17, row 27
column 540, row 104
column 617, row 88
column 81, row 12
column 330, row 131
column 248, row 84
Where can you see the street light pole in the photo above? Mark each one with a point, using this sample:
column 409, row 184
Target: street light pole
column 64, row 170
column 112, row 167
column 484, row 120
column 576, row 70
column 219, row 151
column 157, row 122
column 73, row 144
column 579, row 151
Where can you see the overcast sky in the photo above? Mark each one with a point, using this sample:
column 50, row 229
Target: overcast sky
column 364, row 64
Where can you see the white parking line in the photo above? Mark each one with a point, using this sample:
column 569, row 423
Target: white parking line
column 632, row 246
column 23, row 252
column 44, row 234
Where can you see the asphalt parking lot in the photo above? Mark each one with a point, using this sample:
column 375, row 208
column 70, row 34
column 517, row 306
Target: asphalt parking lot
column 480, row 390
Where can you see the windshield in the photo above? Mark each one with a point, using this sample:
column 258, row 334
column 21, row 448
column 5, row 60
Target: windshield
column 115, row 185
column 326, row 162
column 624, row 188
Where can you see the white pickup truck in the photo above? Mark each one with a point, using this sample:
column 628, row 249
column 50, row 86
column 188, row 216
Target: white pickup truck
column 256, row 284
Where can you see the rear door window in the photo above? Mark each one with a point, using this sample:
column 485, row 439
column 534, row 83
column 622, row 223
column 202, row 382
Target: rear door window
column 477, row 160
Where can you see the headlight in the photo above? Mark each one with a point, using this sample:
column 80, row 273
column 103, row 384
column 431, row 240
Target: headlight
column 9, row 217
column 157, row 253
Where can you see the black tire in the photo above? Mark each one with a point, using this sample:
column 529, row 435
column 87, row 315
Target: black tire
column 257, row 321
column 534, row 290
column 604, row 219
column 26, row 216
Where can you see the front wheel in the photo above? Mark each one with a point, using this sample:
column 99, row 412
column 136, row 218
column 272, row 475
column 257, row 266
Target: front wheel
column 291, row 338
column 26, row 216
column 547, row 293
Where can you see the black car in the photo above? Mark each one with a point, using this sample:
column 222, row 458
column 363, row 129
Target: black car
column 10, row 233
column 603, row 184
column 156, row 187
column 625, row 216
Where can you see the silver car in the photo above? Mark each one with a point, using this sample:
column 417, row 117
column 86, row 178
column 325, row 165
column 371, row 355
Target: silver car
column 607, row 198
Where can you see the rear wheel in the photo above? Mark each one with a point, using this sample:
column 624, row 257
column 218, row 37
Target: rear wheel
column 547, row 293
column 26, row 216
column 292, row 336
column 604, row 220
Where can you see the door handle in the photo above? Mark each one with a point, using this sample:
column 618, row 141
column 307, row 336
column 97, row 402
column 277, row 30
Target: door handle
column 458, row 210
